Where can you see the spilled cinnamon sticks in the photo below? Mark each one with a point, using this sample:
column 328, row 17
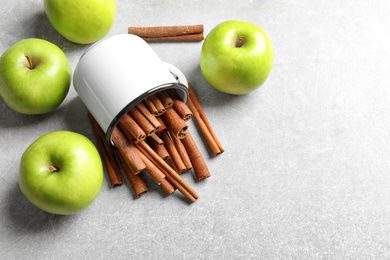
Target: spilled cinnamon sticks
column 164, row 150
column 185, row 33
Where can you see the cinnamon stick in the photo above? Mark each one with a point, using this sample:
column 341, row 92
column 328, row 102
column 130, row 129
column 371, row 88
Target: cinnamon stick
column 181, row 38
column 142, row 121
column 166, row 100
column 151, row 106
column 182, row 152
column 182, row 109
column 160, row 149
column 131, row 129
column 136, row 181
column 198, row 164
column 157, row 104
column 167, row 186
column 203, row 122
column 174, row 155
column 166, row 31
column 150, row 168
column 212, row 144
column 156, row 139
column 163, row 126
column 175, row 123
column 107, row 154
column 149, row 116
column 128, row 151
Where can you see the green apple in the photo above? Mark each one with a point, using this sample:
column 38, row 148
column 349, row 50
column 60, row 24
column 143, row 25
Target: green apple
column 61, row 172
column 81, row 21
column 35, row 76
column 236, row 57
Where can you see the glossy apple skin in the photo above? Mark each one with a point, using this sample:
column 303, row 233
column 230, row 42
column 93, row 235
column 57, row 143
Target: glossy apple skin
column 236, row 70
column 78, row 180
column 39, row 90
column 81, row 21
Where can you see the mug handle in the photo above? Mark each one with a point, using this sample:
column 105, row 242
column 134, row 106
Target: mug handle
column 179, row 76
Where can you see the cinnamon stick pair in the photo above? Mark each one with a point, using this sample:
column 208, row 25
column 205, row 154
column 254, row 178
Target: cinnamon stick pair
column 107, row 154
column 203, row 123
column 185, row 33
column 177, row 153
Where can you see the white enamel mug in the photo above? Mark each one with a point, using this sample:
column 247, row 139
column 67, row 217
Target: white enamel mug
column 116, row 73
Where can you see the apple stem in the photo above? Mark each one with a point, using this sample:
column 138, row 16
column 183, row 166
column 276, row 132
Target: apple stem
column 240, row 42
column 53, row 168
column 30, row 64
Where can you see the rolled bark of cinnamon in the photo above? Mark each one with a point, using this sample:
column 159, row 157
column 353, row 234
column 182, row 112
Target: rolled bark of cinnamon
column 169, row 33
column 167, row 186
column 156, row 139
column 181, row 38
column 128, row 151
column 166, row 100
column 151, row 106
column 131, row 129
column 142, row 121
column 151, row 168
column 212, row 144
column 175, row 123
column 163, row 126
column 174, row 155
column 160, row 149
column 107, row 154
column 198, row 164
column 182, row 152
column 136, row 181
column 157, row 104
column 149, row 116
column 182, row 109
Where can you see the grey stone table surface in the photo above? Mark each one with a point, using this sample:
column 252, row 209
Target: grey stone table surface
column 305, row 174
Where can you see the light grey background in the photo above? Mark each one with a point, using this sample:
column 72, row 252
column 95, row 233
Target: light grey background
column 306, row 170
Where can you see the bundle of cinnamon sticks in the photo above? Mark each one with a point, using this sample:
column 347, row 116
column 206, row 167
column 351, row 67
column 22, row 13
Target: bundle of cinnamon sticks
column 153, row 137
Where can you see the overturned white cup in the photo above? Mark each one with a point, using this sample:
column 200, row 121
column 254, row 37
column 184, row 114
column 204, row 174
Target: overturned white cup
column 117, row 73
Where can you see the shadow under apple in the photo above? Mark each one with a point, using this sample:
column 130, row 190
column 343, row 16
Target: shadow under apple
column 12, row 119
column 38, row 26
column 74, row 116
column 24, row 217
